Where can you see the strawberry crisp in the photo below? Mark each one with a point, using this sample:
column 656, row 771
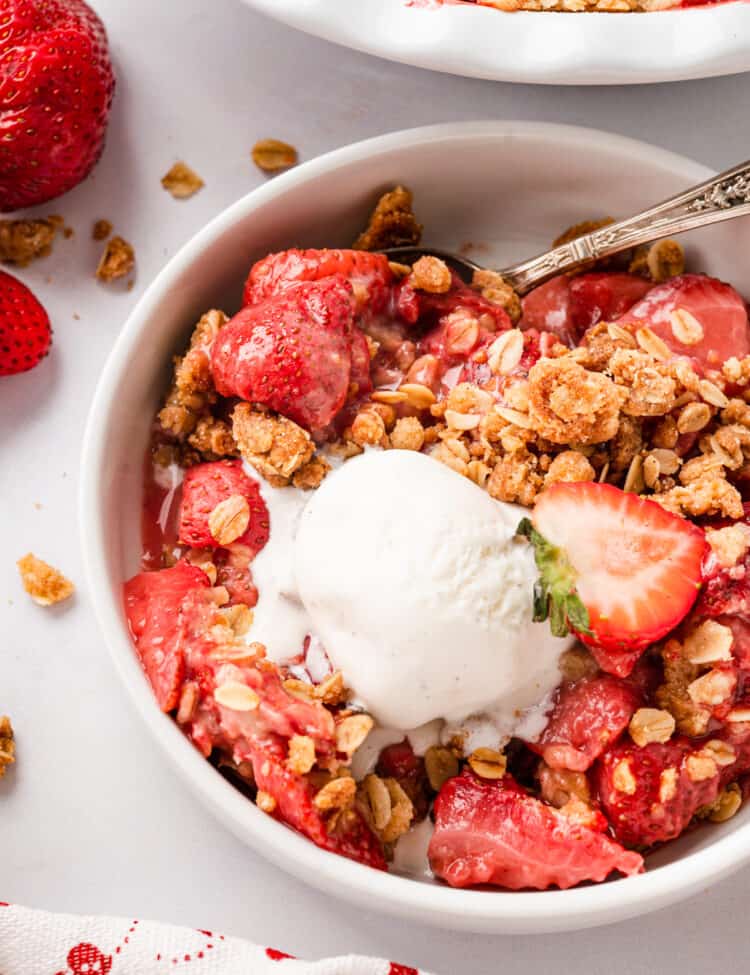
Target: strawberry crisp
column 453, row 582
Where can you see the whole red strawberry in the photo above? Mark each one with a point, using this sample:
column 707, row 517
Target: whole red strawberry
column 56, row 87
column 25, row 333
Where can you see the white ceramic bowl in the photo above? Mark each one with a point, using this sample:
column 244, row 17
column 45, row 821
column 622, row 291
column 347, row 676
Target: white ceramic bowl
column 514, row 203
column 545, row 48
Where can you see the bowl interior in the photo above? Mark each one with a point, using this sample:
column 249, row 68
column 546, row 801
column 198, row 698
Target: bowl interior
column 501, row 190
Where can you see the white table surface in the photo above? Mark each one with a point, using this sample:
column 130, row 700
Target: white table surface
column 91, row 818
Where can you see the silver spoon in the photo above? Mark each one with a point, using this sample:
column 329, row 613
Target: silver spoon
column 722, row 198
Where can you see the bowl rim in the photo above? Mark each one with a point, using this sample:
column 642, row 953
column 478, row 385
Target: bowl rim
column 529, row 46
column 488, row 911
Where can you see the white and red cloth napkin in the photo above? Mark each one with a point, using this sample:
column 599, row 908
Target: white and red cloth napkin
column 38, row 943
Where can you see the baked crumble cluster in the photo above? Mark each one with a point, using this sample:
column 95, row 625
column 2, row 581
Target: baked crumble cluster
column 632, row 374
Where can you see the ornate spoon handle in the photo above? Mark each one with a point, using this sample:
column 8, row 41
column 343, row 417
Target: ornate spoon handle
column 724, row 197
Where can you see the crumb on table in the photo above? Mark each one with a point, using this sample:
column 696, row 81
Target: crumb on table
column 118, row 260
column 101, row 229
column 23, row 241
column 182, row 181
column 270, row 155
column 45, row 584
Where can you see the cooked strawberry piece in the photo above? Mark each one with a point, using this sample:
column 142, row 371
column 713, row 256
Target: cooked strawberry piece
column 477, row 369
column 601, row 296
column 567, row 306
column 587, row 717
column 495, row 833
column 360, row 353
column 369, row 275
column 716, row 317
column 153, row 605
column 650, row 794
column 617, row 569
column 349, row 837
column 399, row 762
column 234, row 572
column 207, row 485
column 457, row 322
column 291, row 352
column 547, row 309
column 25, row 333
column 726, row 593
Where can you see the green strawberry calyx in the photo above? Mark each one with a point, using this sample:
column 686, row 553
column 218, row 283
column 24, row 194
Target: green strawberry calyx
column 555, row 595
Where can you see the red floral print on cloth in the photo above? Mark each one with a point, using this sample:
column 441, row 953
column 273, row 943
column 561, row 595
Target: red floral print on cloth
column 276, row 955
column 87, row 959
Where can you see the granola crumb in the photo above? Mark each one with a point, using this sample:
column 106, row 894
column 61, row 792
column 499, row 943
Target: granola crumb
column 407, row 434
column 274, row 445
column 272, row 155
column 391, row 224
column 192, row 391
column 301, row 754
column 117, row 261
column 580, row 229
column 45, row 584
column 265, row 802
column 570, row 465
column 182, row 181
column 496, row 289
column 569, row 404
column 729, row 544
column 430, row 274
column 101, row 230
column 7, row 744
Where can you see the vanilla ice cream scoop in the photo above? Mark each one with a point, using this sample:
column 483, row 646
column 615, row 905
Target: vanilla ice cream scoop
column 413, row 579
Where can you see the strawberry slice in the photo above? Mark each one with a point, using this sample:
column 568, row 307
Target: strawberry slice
column 369, row 274
column 496, row 833
column 153, row 604
column 713, row 314
column 207, row 485
column 350, row 837
column 616, row 569
column 291, row 352
column 587, row 716
column 650, row 794
column 567, row 306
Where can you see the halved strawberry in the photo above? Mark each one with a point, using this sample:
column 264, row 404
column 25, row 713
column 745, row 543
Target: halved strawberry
column 588, row 715
column 616, row 569
column 713, row 313
column 205, row 486
column 290, row 352
column 153, row 604
column 649, row 794
column 369, row 274
column 25, row 333
column 495, row 833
